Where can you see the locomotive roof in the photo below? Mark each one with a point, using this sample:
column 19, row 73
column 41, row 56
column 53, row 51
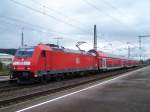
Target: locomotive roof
column 63, row 49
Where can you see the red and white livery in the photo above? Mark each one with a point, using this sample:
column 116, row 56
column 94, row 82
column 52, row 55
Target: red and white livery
column 47, row 60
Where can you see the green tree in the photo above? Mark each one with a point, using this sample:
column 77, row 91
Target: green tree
column 1, row 65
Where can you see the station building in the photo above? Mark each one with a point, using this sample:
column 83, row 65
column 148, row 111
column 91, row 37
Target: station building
column 6, row 59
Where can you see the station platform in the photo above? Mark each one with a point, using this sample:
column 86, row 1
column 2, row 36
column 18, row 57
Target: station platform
column 4, row 78
column 126, row 93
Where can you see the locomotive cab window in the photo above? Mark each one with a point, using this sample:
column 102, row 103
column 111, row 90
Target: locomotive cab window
column 25, row 52
column 43, row 53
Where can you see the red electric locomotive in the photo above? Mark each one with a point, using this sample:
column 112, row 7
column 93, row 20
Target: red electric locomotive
column 46, row 60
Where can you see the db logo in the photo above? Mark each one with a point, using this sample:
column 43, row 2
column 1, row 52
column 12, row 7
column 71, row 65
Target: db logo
column 77, row 60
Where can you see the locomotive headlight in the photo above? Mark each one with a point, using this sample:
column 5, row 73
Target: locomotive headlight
column 28, row 68
column 16, row 63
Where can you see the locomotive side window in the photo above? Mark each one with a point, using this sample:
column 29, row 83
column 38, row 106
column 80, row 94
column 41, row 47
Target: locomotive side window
column 25, row 52
column 43, row 53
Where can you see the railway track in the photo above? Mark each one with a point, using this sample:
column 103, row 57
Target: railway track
column 16, row 94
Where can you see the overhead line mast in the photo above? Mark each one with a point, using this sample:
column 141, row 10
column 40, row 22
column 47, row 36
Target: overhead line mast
column 140, row 44
column 95, row 38
column 22, row 38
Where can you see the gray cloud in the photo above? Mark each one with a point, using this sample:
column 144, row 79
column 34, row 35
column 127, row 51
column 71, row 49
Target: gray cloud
column 117, row 21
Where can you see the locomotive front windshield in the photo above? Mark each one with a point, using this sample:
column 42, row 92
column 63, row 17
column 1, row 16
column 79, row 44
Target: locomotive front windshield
column 25, row 52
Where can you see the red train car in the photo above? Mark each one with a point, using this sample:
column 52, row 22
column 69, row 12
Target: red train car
column 44, row 61
column 108, row 61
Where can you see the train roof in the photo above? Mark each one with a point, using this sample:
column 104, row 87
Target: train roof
column 91, row 52
column 63, row 49
column 105, row 54
column 114, row 56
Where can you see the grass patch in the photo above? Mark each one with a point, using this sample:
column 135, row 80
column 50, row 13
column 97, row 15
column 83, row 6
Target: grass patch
column 4, row 72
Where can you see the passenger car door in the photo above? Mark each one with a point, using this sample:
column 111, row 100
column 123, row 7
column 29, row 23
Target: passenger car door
column 104, row 65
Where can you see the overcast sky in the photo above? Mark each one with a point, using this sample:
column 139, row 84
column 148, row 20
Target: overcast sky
column 118, row 22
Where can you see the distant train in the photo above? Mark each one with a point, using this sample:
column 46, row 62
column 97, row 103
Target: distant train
column 45, row 61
